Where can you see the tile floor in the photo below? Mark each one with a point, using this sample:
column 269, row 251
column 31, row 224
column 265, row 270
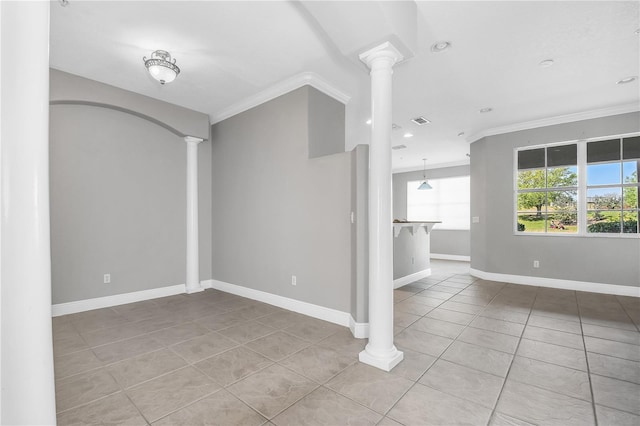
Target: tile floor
column 476, row 352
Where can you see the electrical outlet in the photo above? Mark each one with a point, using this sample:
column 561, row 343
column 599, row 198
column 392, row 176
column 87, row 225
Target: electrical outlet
column 536, row 263
column 107, row 278
column 294, row 280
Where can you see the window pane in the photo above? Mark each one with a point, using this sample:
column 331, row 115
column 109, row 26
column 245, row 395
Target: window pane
column 448, row 202
column 630, row 171
column 562, row 176
column 604, row 198
column 564, row 223
column 531, row 179
column 603, row 151
column 603, row 222
column 532, row 202
column 631, row 148
column 562, row 201
column 631, row 220
column 531, row 222
column 564, row 155
column 630, row 197
column 603, row 174
column 531, row 159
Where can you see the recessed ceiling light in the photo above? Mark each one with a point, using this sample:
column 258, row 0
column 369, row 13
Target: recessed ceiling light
column 408, row 135
column 440, row 46
column 421, row 120
column 396, row 147
column 546, row 63
column 394, row 126
column 637, row 31
column 626, row 80
column 368, row 121
column 485, row 110
column 461, row 134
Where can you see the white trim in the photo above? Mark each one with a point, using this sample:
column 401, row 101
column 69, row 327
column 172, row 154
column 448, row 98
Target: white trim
column 551, row 121
column 408, row 279
column 450, row 257
column 116, row 299
column 620, row 290
column 432, row 166
column 309, row 309
column 279, row 89
column 360, row 330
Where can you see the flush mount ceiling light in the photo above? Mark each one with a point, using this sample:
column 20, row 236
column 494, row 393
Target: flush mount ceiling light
column 546, row 63
column 461, row 134
column 368, row 121
column 161, row 67
column 424, row 184
column 637, row 31
column 440, row 46
column 626, row 80
column 408, row 135
column 485, row 110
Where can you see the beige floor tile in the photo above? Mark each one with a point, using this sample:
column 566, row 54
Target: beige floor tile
column 451, row 316
column 608, row 333
column 403, row 319
column 344, row 342
column 400, row 295
column 371, row 387
column 505, row 314
column 425, row 343
column 616, row 368
column 540, row 406
column 245, row 332
column 554, row 337
column 428, row 301
column 132, row 329
column 554, row 354
column 219, row 321
column 179, row 333
column 67, row 342
column 233, row 365
column 438, row 327
column 617, row 394
column 463, row 382
column 202, row 347
column 489, row 339
column 165, row 394
column 499, row 419
column 413, row 365
column 145, row 367
column 435, row 294
column 318, row 363
column 618, row 319
column 555, row 324
column 112, row 410
column 386, row 421
column 272, row 390
column 74, row 363
column 566, row 381
column 410, row 306
column 118, row 351
column 82, row 388
column 611, row 348
column 312, row 330
column 278, row 345
column 472, row 298
column 456, row 282
column 219, row 409
column 610, row 417
column 445, row 289
column 281, row 319
column 499, row 326
column 466, row 308
column 325, row 407
column 94, row 320
column 483, row 359
column 443, row 409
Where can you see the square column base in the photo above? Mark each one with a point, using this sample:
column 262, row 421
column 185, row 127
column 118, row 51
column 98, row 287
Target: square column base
column 386, row 363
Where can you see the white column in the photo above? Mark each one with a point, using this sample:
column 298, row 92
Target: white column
column 193, row 257
column 380, row 351
column 28, row 393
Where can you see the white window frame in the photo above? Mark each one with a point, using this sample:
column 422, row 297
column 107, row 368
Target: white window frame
column 582, row 190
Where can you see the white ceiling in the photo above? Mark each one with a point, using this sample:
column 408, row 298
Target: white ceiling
column 233, row 51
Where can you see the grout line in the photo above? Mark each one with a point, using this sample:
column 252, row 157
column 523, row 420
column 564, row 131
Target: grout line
column 586, row 357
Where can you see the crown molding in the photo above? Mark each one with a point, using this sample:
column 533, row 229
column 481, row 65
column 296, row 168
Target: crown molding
column 432, row 166
column 551, row 121
column 279, row 89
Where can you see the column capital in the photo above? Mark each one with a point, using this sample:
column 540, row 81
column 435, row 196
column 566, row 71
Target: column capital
column 386, row 50
column 193, row 139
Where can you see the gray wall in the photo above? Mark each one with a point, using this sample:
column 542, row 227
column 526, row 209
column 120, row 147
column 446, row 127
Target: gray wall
column 443, row 241
column 118, row 197
column 277, row 213
column 410, row 253
column 326, row 125
column 360, row 233
column 494, row 246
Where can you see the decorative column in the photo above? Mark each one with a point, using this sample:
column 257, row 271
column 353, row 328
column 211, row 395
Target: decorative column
column 193, row 260
column 380, row 351
column 28, row 393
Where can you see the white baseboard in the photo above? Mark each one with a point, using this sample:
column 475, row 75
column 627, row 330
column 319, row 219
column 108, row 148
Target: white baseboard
column 408, row 279
column 360, row 330
column 309, row 309
column 116, row 299
column 450, row 257
column 620, row 290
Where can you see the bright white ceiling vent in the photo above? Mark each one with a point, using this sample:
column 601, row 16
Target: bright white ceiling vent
column 421, row 120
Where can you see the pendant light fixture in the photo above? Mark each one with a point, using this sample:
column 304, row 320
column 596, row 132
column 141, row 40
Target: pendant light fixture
column 161, row 67
column 424, row 184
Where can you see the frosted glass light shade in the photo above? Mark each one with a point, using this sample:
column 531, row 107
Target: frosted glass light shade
column 425, row 185
column 161, row 67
